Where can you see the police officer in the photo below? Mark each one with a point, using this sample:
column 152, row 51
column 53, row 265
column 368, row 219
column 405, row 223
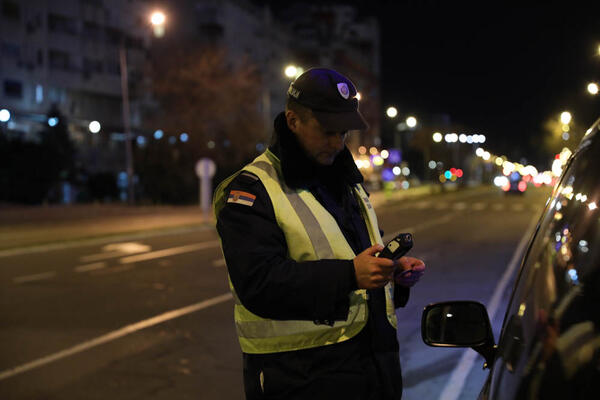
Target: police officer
column 314, row 308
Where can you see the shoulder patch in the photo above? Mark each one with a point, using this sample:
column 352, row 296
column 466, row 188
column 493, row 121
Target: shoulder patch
column 243, row 198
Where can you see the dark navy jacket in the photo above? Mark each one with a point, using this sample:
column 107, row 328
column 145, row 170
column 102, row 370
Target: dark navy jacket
column 272, row 285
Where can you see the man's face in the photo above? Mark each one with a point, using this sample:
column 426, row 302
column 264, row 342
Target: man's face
column 320, row 144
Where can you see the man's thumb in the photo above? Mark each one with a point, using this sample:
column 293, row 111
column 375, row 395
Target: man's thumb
column 376, row 248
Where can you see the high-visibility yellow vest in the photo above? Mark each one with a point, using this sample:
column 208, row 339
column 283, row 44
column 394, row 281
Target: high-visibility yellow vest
column 311, row 234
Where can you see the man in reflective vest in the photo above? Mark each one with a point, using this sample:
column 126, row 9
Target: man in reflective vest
column 314, row 306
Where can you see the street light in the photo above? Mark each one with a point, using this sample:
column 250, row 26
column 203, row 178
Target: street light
column 4, row 115
column 438, row 137
column 411, row 122
column 94, row 127
column 391, row 112
column 293, row 71
column 157, row 20
column 565, row 117
column 592, row 88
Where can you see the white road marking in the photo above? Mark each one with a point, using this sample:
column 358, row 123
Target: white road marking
column 219, row 263
column 498, row 207
column 459, row 206
column 117, row 250
column 479, row 206
column 456, row 381
column 90, row 267
column 35, row 277
column 518, row 207
column 169, row 252
column 126, row 330
column 441, row 206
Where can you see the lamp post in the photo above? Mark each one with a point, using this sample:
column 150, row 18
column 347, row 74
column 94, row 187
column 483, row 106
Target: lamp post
column 157, row 20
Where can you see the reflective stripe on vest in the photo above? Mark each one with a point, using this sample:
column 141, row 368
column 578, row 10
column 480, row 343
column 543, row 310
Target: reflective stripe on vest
column 312, row 234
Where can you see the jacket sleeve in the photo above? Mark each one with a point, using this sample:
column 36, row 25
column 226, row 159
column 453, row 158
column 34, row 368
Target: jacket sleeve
column 266, row 280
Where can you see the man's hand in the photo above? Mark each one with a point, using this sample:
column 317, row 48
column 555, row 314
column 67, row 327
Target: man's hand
column 409, row 270
column 372, row 272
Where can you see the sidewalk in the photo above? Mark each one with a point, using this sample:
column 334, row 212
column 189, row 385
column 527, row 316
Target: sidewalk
column 32, row 226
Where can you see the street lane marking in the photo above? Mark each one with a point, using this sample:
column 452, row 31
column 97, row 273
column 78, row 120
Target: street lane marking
column 518, row 207
column 219, row 263
column 479, row 206
column 90, row 267
column 456, row 381
column 441, row 206
column 117, row 250
column 169, row 252
column 459, row 206
column 35, row 277
column 126, row 330
column 498, row 207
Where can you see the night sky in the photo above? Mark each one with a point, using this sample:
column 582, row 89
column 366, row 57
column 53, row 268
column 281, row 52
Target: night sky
column 499, row 70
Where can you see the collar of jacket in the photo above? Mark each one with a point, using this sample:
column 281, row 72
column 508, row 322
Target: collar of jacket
column 299, row 171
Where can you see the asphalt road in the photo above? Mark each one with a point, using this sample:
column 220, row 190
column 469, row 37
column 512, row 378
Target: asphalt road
column 151, row 318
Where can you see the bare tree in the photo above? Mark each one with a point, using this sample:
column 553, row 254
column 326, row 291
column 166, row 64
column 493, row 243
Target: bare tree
column 214, row 101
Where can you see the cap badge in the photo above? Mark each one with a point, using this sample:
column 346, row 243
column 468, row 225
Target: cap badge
column 292, row 91
column 343, row 89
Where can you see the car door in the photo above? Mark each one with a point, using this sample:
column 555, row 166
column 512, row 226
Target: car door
column 550, row 315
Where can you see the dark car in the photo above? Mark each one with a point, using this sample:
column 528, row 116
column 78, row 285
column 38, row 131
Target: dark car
column 549, row 345
column 516, row 184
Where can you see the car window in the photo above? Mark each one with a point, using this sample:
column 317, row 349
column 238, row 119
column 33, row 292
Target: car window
column 555, row 308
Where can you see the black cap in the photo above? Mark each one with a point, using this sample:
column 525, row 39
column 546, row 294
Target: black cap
column 331, row 98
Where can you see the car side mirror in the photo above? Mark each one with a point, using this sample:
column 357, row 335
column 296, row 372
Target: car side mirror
column 459, row 324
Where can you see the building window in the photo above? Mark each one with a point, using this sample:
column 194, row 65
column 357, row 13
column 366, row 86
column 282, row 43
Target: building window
column 39, row 93
column 113, row 67
column 11, row 10
column 13, row 89
column 40, row 57
column 10, row 50
column 113, row 35
column 59, row 60
column 61, row 24
column 56, row 95
column 91, row 67
column 92, row 31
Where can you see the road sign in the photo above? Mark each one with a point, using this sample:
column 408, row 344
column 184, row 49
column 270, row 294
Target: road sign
column 205, row 168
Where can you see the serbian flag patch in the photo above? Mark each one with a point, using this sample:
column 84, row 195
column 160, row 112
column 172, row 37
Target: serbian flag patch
column 239, row 197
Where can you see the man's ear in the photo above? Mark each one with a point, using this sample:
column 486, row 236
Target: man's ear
column 292, row 120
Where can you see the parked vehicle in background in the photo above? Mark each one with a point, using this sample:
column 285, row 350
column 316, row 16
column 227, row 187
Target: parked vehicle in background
column 549, row 346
